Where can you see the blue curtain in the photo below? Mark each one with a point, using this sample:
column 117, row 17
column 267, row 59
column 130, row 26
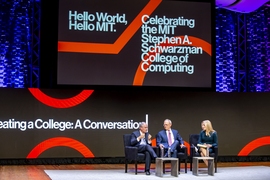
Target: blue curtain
column 15, row 42
column 258, row 48
column 257, row 51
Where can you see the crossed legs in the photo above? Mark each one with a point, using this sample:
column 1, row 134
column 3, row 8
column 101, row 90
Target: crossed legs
column 203, row 154
column 149, row 155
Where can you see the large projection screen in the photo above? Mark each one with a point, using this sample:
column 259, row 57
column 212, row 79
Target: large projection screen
column 135, row 43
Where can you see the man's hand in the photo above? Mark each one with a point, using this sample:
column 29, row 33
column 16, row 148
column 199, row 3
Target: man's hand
column 149, row 137
column 161, row 146
column 141, row 136
column 182, row 145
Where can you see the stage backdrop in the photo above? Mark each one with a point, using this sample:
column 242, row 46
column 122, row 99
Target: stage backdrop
column 49, row 123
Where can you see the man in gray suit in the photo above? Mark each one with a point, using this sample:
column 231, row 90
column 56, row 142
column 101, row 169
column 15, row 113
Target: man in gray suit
column 142, row 140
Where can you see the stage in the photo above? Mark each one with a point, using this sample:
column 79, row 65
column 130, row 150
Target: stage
column 232, row 171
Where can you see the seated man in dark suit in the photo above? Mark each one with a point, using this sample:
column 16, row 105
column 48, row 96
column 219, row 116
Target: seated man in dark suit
column 169, row 138
column 142, row 139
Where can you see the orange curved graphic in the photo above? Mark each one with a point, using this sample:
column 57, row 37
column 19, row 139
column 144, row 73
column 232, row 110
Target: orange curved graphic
column 140, row 74
column 60, row 141
column 188, row 147
column 254, row 145
column 154, row 142
column 60, row 103
column 116, row 47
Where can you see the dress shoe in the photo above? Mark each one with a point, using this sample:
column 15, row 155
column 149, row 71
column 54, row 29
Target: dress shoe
column 147, row 173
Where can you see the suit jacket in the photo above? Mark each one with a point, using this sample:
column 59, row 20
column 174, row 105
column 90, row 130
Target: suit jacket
column 135, row 135
column 162, row 137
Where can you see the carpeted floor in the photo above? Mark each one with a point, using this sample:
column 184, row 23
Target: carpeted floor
column 224, row 173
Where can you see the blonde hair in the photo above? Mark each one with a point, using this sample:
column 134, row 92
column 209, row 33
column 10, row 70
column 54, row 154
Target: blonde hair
column 208, row 127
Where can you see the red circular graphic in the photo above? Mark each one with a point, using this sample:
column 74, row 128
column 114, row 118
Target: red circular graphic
column 254, row 145
column 60, row 141
column 60, row 103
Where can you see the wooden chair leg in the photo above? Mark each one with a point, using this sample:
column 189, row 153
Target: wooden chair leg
column 190, row 165
column 185, row 165
column 136, row 167
column 126, row 162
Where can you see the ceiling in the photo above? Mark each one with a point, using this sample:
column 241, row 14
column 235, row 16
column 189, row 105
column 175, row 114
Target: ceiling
column 242, row 6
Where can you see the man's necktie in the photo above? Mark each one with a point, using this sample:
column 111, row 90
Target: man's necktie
column 169, row 138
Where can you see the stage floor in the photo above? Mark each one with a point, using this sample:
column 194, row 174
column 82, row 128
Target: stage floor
column 34, row 172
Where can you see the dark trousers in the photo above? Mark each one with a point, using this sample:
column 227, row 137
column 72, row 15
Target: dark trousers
column 174, row 148
column 149, row 155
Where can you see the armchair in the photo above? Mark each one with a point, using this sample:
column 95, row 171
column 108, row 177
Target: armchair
column 131, row 153
column 193, row 141
column 182, row 155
